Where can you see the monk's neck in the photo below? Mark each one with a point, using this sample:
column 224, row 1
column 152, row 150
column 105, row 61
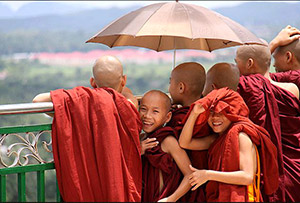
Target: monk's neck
column 267, row 75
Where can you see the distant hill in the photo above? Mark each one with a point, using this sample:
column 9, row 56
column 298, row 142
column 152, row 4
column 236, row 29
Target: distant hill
column 5, row 11
column 62, row 31
column 35, row 9
column 264, row 18
column 260, row 17
column 88, row 20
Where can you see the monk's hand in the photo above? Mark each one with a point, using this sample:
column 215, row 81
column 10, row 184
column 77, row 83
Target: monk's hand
column 197, row 178
column 148, row 144
column 286, row 36
column 198, row 109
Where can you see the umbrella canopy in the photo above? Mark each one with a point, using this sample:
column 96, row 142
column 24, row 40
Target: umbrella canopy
column 174, row 25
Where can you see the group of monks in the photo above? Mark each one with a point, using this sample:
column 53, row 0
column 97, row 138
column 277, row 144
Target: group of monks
column 230, row 134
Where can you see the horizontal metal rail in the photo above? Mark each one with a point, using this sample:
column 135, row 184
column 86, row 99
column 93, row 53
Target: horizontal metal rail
column 40, row 107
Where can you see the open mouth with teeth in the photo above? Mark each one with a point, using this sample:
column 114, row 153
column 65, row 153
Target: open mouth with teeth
column 217, row 123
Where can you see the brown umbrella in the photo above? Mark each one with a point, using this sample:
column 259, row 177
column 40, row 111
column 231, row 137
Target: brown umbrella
column 173, row 25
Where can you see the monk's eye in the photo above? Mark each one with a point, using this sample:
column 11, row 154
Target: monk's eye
column 156, row 111
column 143, row 109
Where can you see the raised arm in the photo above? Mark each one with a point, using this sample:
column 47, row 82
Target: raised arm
column 186, row 141
column 244, row 176
column 284, row 37
column 170, row 145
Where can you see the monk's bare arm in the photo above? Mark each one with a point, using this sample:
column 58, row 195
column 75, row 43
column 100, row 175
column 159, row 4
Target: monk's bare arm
column 43, row 97
column 186, row 141
column 170, row 145
column 284, row 37
column 242, row 177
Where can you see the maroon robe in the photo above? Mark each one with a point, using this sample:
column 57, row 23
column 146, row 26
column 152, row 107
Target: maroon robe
column 155, row 160
column 224, row 152
column 268, row 104
column 198, row 158
column 96, row 149
column 287, row 76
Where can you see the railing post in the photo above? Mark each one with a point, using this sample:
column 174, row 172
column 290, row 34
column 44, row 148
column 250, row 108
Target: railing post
column 58, row 199
column 41, row 186
column 21, row 187
column 3, row 188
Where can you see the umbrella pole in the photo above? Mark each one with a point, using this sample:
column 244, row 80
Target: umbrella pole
column 174, row 57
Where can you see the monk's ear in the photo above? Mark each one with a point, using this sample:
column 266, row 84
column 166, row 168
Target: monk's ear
column 250, row 63
column 181, row 87
column 169, row 116
column 288, row 57
column 92, row 82
column 124, row 80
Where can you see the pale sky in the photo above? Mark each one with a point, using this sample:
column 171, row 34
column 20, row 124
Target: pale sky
column 106, row 4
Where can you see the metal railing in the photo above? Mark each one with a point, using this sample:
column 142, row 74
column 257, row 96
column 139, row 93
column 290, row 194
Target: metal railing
column 26, row 149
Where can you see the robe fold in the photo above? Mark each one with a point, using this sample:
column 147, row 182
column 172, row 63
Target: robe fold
column 155, row 160
column 198, row 158
column 257, row 92
column 268, row 104
column 96, row 148
column 223, row 154
column 287, row 76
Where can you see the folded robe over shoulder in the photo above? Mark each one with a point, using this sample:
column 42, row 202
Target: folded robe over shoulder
column 95, row 135
column 270, row 103
column 224, row 152
column 287, row 76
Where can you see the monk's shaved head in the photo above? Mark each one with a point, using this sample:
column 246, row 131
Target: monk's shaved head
column 260, row 54
column 192, row 74
column 293, row 47
column 222, row 75
column 108, row 72
column 161, row 96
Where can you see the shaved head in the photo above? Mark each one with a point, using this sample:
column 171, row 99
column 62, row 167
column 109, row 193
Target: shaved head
column 192, row 74
column 260, row 55
column 222, row 75
column 161, row 96
column 108, row 72
column 293, row 47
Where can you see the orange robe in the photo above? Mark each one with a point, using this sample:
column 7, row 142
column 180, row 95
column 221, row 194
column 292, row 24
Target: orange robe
column 223, row 154
column 96, row 148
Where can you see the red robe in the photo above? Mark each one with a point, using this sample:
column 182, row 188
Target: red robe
column 155, row 160
column 198, row 158
column 96, row 149
column 224, row 152
column 273, row 107
column 287, row 76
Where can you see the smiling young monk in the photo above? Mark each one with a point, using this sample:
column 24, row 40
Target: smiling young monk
column 166, row 166
column 240, row 153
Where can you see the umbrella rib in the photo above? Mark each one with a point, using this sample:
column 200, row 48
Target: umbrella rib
column 150, row 16
column 159, row 43
column 188, row 18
